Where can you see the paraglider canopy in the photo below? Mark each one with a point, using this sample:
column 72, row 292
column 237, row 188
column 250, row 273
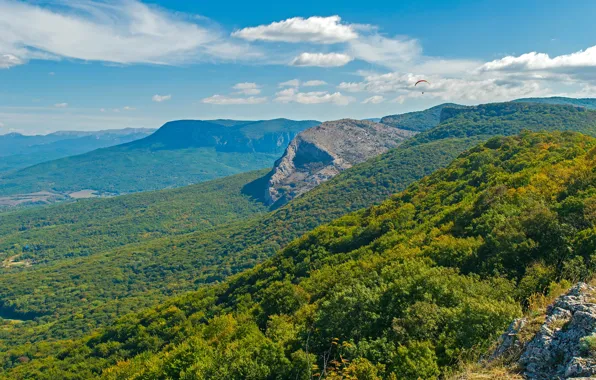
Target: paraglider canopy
column 421, row 81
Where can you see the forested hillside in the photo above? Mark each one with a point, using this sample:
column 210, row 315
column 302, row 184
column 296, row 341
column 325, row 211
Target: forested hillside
column 103, row 286
column 179, row 153
column 406, row 289
column 418, row 121
column 90, row 226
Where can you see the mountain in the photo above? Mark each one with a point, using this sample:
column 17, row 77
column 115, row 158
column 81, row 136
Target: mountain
column 411, row 288
column 321, row 152
column 124, row 276
column 179, row 153
column 418, row 121
column 18, row 151
column 585, row 102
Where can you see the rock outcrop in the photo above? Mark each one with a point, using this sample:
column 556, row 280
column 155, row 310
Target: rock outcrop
column 565, row 345
column 320, row 153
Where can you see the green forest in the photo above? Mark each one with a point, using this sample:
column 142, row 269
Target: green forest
column 94, row 261
column 406, row 289
column 101, row 272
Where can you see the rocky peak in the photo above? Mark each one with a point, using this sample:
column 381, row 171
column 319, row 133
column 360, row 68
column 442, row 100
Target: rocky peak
column 320, row 153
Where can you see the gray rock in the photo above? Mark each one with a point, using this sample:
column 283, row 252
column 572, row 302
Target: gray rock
column 320, row 153
column 555, row 352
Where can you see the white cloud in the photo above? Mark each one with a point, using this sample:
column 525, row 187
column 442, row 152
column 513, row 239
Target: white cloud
column 247, row 88
column 227, row 100
column 128, row 108
column 61, row 105
column 321, row 30
column 2, row 125
column 314, row 83
column 352, row 86
column 292, row 95
column 120, row 31
column 161, row 98
column 290, row 83
column 374, row 100
column 102, row 110
column 539, row 61
column 386, row 51
column 321, row 59
column 51, row 73
column 8, row 60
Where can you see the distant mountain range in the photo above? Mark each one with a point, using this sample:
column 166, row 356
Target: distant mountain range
column 179, row 153
column 18, row 151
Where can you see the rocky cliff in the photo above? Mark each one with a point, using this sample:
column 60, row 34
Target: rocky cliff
column 320, row 153
column 564, row 346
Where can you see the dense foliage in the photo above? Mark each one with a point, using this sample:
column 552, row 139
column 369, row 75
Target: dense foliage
column 507, row 119
column 98, row 288
column 418, row 121
column 86, row 227
column 178, row 154
column 406, row 289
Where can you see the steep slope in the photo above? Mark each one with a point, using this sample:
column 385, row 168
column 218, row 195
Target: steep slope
column 418, row 121
column 179, row 153
column 18, row 151
column 322, row 152
column 119, row 279
column 406, row 289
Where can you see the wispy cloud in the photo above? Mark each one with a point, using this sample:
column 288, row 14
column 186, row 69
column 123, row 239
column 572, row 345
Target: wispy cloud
column 321, row 59
column 61, row 105
column 161, row 98
column 290, row 83
column 292, row 95
column 247, row 88
column 228, row 100
column 374, row 100
column 120, row 31
column 314, row 83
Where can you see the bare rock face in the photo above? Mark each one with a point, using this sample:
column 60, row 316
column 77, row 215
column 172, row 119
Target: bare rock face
column 565, row 345
column 322, row 152
column 560, row 349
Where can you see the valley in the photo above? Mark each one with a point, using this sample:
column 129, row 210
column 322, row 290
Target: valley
column 105, row 258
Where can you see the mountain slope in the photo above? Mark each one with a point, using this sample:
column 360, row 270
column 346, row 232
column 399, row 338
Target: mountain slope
column 418, row 121
column 407, row 288
column 321, row 152
column 148, row 271
column 179, row 153
column 88, row 227
column 18, row 151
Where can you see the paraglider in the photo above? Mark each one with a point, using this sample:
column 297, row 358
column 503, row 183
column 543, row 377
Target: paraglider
column 421, row 81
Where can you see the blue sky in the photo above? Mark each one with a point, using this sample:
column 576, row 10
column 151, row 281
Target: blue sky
column 87, row 65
